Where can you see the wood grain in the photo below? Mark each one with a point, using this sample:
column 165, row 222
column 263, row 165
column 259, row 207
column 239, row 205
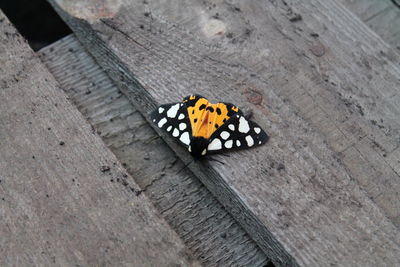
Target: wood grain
column 57, row 206
column 317, row 69
column 208, row 230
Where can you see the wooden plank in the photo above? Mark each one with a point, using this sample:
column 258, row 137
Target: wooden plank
column 208, row 230
column 294, row 196
column 387, row 25
column 336, row 110
column 367, row 9
column 380, row 15
column 57, row 206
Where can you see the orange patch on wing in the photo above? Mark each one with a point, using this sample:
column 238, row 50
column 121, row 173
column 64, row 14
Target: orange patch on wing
column 206, row 118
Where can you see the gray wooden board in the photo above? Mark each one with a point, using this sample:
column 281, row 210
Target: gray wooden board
column 299, row 196
column 57, row 206
column 380, row 15
column 368, row 9
column 372, row 96
column 387, row 25
column 208, row 230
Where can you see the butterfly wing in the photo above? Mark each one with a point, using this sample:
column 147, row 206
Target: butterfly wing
column 173, row 118
column 236, row 133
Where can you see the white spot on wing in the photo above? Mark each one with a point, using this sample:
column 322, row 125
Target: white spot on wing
column 190, row 148
column 162, row 122
column 228, row 144
column 160, row 110
column 215, row 144
column 243, row 125
column 169, row 128
column 249, row 140
column 204, row 152
column 257, row 130
column 181, row 116
column 185, row 138
column 231, row 127
column 175, row 133
column 238, row 143
column 259, row 142
column 225, row 135
column 173, row 110
column 182, row 126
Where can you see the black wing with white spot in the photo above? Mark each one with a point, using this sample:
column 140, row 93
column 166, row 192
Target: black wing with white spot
column 173, row 119
column 236, row 133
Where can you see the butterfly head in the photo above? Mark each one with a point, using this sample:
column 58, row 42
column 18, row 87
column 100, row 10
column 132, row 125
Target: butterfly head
column 198, row 147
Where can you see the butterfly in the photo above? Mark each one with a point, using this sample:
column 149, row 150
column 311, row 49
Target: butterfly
column 205, row 128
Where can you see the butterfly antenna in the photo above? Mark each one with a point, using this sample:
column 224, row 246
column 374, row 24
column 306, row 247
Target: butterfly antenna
column 185, row 166
column 213, row 159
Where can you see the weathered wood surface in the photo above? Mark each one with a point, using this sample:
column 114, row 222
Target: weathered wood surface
column 383, row 16
column 57, row 206
column 209, row 231
column 353, row 109
column 326, row 186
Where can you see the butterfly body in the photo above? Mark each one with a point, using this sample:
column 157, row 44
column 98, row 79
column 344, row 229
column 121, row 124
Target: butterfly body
column 206, row 128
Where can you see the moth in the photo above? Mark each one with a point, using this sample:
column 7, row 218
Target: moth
column 205, row 128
